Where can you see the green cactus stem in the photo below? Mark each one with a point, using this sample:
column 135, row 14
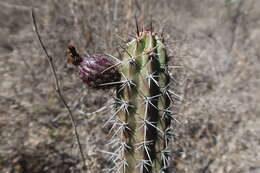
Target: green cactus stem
column 142, row 117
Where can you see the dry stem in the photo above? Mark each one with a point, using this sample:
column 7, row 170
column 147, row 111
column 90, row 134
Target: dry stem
column 58, row 90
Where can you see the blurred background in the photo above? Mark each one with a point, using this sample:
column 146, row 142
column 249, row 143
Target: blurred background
column 215, row 50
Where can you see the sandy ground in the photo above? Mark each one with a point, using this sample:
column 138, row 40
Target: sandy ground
column 216, row 43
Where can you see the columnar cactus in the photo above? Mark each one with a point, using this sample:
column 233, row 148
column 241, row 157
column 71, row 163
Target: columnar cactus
column 142, row 116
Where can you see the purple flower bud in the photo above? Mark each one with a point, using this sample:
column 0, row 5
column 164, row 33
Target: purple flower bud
column 97, row 71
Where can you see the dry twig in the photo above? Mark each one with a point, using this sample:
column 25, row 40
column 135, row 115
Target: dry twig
column 57, row 88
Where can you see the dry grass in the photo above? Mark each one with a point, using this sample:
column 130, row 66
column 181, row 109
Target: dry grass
column 215, row 41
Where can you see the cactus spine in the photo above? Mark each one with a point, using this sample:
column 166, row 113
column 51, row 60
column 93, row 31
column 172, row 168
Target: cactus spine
column 142, row 117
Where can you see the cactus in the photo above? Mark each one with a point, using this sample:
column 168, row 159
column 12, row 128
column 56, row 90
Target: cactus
column 142, row 115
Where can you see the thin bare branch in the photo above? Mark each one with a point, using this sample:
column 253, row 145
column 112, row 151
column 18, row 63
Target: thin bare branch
column 57, row 88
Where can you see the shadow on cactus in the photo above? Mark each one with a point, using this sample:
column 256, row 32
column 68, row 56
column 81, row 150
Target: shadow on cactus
column 142, row 117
